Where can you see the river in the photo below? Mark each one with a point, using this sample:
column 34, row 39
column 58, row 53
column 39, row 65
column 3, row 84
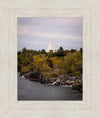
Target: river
column 31, row 90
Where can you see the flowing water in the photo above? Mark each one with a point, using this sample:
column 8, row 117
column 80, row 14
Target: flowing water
column 30, row 90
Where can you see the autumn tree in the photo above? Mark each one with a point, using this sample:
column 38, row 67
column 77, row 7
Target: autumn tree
column 66, row 52
column 50, row 63
column 39, row 63
column 72, row 63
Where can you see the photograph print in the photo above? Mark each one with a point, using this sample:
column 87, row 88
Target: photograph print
column 49, row 58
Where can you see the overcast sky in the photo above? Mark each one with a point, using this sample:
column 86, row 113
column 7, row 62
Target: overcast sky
column 35, row 33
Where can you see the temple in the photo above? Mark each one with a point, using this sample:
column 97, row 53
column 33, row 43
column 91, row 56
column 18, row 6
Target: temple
column 50, row 47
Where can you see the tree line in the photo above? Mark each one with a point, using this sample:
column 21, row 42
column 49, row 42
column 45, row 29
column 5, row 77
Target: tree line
column 51, row 63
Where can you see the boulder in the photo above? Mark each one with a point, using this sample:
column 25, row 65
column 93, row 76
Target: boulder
column 69, row 82
column 56, row 83
column 77, row 86
column 33, row 76
column 46, row 80
column 63, row 83
column 43, row 80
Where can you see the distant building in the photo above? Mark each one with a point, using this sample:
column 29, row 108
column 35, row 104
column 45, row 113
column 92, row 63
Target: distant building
column 50, row 47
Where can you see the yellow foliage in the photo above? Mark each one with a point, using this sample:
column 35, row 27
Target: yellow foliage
column 55, row 60
column 25, row 69
column 39, row 61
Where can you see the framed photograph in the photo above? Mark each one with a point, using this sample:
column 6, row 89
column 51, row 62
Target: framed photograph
column 50, row 70
column 49, row 59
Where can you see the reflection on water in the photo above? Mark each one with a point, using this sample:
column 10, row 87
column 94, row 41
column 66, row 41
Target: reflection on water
column 29, row 90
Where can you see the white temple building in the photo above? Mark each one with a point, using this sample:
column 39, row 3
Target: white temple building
column 50, row 46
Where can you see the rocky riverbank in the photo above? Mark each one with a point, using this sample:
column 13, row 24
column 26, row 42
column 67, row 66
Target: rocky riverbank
column 75, row 81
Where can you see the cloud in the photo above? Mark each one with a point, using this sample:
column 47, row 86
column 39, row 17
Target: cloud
column 59, row 21
column 30, row 31
column 36, row 33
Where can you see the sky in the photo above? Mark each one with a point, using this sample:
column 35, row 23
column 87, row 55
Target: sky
column 35, row 33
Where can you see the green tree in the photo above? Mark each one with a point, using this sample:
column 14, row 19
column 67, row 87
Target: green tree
column 50, row 54
column 60, row 52
column 72, row 63
column 24, row 50
column 66, row 52
column 73, row 50
column 81, row 50
column 43, row 51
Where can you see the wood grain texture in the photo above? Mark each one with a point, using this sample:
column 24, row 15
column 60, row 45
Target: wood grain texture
column 10, row 10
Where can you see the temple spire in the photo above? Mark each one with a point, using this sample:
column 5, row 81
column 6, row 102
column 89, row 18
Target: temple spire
column 50, row 47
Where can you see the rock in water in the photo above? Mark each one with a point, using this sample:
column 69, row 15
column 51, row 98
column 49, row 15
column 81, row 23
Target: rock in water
column 56, row 83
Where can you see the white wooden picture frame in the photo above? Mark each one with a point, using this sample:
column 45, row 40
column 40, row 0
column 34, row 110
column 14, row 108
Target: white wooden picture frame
column 10, row 10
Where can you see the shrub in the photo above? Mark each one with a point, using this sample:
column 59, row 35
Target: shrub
column 52, row 74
